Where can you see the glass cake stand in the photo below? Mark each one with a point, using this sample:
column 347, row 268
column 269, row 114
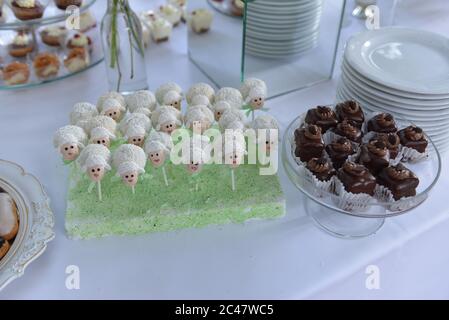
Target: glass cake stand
column 52, row 15
column 322, row 207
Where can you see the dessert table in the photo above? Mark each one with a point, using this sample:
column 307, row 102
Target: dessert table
column 288, row 258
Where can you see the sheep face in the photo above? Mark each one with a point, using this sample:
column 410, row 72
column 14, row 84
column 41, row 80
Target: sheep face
column 257, row 102
column 217, row 115
column 104, row 141
column 200, row 126
column 169, row 127
column 137, row 140
column 157, row 158
column 96, row 173
column 114, row 113
column 130, row 178
column 176, row 104
column 194, row 167
column 69, row 151
column 235, row 159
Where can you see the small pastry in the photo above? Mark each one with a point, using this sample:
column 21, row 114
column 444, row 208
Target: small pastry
column 382, row 123
column 347, row 130
column 237, row 7
column 27, row 9
column 309, row 143
column 170, row 13
column 16, row 73
column 9, row 218
column 21, row 45
column 392, row 141
column 77, row 59
column 87, row 21
column 321, row 168
column 356, row 178
column 64, row 4
column 80, row 40
column 413, row 137
column 339, row 151
column 54, row 36
column 4, row 247
column 350, row 110
column 201, row 20
column 323, row 117
column 46, row 65
column 160, row 29
column 399, row 180
column 375, row 155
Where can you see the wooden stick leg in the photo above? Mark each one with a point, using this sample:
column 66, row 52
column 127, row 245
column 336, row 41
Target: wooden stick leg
column 165, row 176
column 100, row 195
column 133, row 189
column 233, row 179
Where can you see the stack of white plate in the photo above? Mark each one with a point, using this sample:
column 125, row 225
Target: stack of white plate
column 401, row 71
column 282, row 28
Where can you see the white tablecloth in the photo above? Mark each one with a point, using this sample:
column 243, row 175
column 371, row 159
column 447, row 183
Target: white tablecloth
column 285, row 258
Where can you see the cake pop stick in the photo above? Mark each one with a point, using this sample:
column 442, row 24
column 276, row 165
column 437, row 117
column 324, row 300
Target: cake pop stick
column 234, row 151
column 196, row 157
column 157, row 148
column 233, row 179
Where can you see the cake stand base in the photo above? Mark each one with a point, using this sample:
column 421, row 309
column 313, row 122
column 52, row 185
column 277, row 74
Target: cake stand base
column 342, row 225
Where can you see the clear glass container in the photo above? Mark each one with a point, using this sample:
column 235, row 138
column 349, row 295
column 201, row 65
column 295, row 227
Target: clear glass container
column 322, row 208
column 123, row 48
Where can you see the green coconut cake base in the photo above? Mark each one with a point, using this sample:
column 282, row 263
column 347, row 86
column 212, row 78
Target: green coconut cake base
column 155, row 207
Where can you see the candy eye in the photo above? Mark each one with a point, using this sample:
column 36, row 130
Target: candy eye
column 171, row 126
column 103, row 141
column 126, row 177
column 267, row 142
column 151, row 155
column 93, row 170
column 66, row 149
column 157, row 154
column 132, row 176
column 98, row 169
column 99, row 141
column 115, row 113
column 72, row 147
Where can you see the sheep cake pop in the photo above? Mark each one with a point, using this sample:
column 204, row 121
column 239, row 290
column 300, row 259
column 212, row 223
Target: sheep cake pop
column 111, row 95
column 254, row 92
column 95, row 160
column 134, row 128
column 166, row 119
column 170, row 94
column 81, row 113
column 231, row 116
column 112, row 108
column 158, row 147
column 142, row 101
column 200, row 117
column 265, row 123
column 200, row 89
column 101, row 130
column 234, row 153
column 196, row 158
column 69, row 140
column 230, row 95
column 129, row 161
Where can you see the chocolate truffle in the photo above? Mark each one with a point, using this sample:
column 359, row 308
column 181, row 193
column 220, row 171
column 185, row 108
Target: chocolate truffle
column 392, row 141
column 375, row 156
column 339, row 151
column 347, row 130
column 356, row 178
column 323, row 117
column 413, row 137
column 350, row 110
column 399, row 180
column 382, row 123
column 321, row 168
column 309, row 143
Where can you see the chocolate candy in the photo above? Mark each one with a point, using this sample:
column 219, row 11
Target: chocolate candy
column 399, row 180
column 375, row 156
column 309, row 143
column 339, row 151
column 392, row 141
column 413, row 137
column 382, row 123
column 323, row 117
column 321, row 168
column 347, row 130
column 356, row 178
column 350, row 110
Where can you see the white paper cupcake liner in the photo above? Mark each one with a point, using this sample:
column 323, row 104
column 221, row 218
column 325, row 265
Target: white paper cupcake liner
column 383, row 194
column 412, row 155
column 317, row 187
column 351, row 202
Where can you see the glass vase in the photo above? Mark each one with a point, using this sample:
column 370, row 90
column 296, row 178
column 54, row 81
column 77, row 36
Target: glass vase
column 121, row 33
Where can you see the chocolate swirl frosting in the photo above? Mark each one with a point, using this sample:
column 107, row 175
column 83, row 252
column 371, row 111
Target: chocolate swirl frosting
column 385, row 120
column 318, row 165
column 312, row 132
column 354, row 169
column 324, row 113
column 348, row 129
column 350, row 107
column 399, row 172
column 342, row 145
column 414, row 133
column 391, row 139
column 378, row 147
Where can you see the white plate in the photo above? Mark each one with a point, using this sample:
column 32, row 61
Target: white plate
column 391, row 91
column 281, row 52
column 401, row 58
column 283, row 8
column 36, row 221
column 406, row 103
column 428, row 122
column 292, row 42
column 284, row 18
column 276, row 29
column 269, row 55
